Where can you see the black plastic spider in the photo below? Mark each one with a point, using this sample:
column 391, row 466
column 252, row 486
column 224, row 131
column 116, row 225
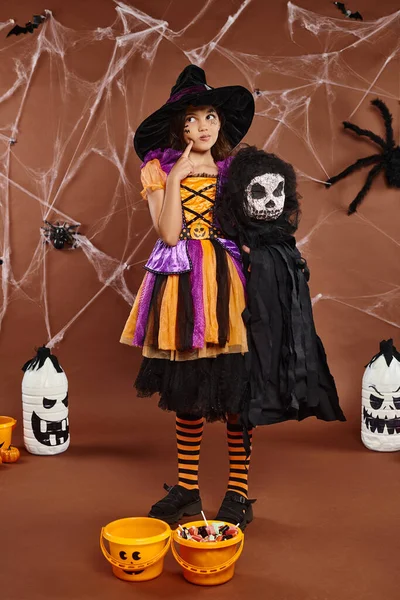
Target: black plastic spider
column 59, row 235
column 388, row 160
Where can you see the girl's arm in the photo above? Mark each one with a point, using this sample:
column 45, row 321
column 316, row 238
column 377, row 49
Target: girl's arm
column 166, row 211
column 166, row 206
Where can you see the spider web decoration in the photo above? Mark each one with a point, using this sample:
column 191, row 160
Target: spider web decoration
column 97, row 111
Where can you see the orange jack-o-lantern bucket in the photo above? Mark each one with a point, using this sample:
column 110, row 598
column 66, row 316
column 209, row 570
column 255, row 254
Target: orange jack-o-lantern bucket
column 207, row 563
column 138, row 546
column 7, row 424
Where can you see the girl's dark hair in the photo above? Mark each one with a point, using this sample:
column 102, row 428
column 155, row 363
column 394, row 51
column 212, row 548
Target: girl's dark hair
column 247, row 164
column 221, row 149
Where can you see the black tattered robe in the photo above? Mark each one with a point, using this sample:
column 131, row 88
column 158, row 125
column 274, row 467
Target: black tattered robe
column 289, row 377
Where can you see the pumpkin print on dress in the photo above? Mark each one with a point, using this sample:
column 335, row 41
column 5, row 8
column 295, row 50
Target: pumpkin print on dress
column 199, row 232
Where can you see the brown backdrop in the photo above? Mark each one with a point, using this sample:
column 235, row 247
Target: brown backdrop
column 71, row 96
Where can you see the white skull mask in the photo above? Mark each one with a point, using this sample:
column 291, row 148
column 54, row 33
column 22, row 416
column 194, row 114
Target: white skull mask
column 265, row 197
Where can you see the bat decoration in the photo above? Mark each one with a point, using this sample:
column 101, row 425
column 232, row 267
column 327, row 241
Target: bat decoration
column 387, row 160
column 29, row 27
column 350, row 15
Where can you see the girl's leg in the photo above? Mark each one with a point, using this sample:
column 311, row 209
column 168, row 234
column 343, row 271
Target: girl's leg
column 238, row 461
column 189, row 432
column 183, row 499
column 236, row 508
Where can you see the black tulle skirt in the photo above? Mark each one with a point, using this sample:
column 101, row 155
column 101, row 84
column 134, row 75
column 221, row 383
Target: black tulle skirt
column 208, row 387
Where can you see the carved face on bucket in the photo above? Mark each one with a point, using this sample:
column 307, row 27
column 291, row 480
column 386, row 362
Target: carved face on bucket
column 265, row 197
column 130, row 558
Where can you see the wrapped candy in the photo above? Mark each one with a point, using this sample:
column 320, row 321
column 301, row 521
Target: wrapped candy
column 217, row 532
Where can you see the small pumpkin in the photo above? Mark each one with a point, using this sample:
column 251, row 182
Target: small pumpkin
column 9, row 455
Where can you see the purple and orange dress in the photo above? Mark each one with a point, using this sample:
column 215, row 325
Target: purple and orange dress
column 187, row 315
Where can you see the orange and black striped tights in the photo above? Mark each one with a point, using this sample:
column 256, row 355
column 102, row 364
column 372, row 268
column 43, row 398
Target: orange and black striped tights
column 189, row 432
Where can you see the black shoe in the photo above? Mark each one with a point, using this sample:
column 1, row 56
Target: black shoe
column 236, row 509
column 177, row 503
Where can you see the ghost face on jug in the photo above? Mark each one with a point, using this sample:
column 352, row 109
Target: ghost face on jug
column 201, row 126
column 50, row 422
column 380, row 424
column 265, row 197
column 381, row 411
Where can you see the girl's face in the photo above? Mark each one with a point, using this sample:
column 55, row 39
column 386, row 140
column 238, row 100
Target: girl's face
column 201, row 126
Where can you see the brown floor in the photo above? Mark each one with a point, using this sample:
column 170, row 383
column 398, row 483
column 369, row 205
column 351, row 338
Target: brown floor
column 326, row 524
column 326, row 511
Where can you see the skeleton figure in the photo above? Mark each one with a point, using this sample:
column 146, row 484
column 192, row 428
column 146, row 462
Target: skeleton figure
column 380, row 415
column 289, row 377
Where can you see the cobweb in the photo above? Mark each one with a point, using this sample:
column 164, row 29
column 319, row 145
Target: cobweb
column 94, row 118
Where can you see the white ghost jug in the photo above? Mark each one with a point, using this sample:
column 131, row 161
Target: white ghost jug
column 380, row 418
column 45, row 405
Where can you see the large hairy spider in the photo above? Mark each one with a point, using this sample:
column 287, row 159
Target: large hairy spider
column 59, row 235
column 388, row 160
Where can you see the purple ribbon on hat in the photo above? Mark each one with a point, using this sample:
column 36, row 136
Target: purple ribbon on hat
column 189, row 90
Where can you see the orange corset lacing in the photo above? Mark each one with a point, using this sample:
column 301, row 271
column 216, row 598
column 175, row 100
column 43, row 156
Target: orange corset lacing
column 198, row 202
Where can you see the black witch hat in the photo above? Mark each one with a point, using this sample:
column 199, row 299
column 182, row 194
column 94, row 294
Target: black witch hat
column 191, row 89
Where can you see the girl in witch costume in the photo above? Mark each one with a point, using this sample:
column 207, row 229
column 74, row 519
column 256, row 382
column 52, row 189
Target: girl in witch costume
column 187, row 313
column 289, row 377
